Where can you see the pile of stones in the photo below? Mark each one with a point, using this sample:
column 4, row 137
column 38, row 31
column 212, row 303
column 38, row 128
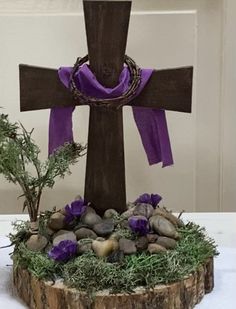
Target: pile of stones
column 106, row 235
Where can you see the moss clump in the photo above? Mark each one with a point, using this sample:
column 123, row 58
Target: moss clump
column 37, row 263
column 90, row 273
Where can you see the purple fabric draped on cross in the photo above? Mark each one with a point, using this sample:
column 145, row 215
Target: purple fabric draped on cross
column 151, row 123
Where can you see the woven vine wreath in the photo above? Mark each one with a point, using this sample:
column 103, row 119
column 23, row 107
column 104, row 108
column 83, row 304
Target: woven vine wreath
column 135, row 79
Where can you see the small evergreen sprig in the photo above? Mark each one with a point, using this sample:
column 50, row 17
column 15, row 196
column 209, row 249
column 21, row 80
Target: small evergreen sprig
column 19, row 153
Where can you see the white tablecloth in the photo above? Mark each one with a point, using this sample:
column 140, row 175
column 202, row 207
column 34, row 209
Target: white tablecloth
column 222, row 297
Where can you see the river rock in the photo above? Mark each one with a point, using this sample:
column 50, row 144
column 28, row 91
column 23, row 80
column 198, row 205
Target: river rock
column 127, row 246
column 142, row 209
column 89, row 209
column 110, row 213
column 128, row 213
column 56, row 221
column 104, row 248
column 155, row 248
column 49, row 231
column 163, row 227
column 169, row 216
column 36, row 243
column 61, row 232
column 141, row 243
column 84, row 232
column 104, row 227
column 166, row 242
column 80, row 225
column 63, row 235
column 152, row 238
column 91, row 219
column 84, row 247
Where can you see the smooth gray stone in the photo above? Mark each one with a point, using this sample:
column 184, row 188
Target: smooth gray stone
column 155, row 248
column 110, row 213
column 36, row 243
column 127, row 246
column 152, row 238
column 56, row 221
column 104, row 248
column 64, row 236
column 128, row 213
column 84, row 247
column 91, row 219
column 104, row 228
column 163, row 227
column 84, row 232
column 168, row 243
column 142, row 209
column 141, row 243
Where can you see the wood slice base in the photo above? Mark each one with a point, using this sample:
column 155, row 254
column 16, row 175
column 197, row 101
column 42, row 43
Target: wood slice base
column 185, row 294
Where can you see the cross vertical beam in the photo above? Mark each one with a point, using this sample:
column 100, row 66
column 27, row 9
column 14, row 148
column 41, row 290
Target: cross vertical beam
column 106, row 28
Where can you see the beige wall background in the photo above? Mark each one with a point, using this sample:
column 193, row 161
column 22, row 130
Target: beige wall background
column 162, row 34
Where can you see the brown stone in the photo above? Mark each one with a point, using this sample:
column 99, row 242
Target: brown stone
column 90, row 219
column 49, row 231
column 152, row 238
column 128, row 213
column 85, row 233
column 141, row 243
column 163, row 227
column 63, row 235
column 110, row 213
column 104, row 248
column 56, row 221
column 127, row 246
column 84, row 247
column 36, row 243
column 142, row 209
column 166, row 242
column 89, row 209
column 169, row 216
column 104, row 227
column 155, row 248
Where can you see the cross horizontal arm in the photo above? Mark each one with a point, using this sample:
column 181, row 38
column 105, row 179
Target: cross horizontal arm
column 41, row 88
column 170, row 89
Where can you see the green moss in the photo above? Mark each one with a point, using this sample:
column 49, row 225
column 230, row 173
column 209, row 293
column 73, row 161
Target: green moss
column 37, row 263
column 90, row 273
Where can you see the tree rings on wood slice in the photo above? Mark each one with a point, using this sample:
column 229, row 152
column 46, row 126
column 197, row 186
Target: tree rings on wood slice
column 184, row 294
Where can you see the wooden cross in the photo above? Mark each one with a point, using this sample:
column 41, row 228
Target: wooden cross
column 171, row 89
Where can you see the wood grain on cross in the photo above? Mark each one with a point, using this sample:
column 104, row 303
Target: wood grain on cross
column 171, row 89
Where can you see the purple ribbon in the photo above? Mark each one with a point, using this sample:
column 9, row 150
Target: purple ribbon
column 151, row 123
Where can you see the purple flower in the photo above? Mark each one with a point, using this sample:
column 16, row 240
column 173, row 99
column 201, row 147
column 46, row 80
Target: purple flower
column 75, row 210
column 65, row 250
column 152, row 199
column 139, row 224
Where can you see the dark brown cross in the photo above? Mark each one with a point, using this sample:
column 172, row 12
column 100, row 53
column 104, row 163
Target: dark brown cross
column 171, row 89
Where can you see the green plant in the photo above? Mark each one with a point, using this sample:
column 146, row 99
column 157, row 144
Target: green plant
column 19, row 154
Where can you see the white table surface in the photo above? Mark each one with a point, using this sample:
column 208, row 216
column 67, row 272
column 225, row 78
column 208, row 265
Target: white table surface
column 220, row 226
